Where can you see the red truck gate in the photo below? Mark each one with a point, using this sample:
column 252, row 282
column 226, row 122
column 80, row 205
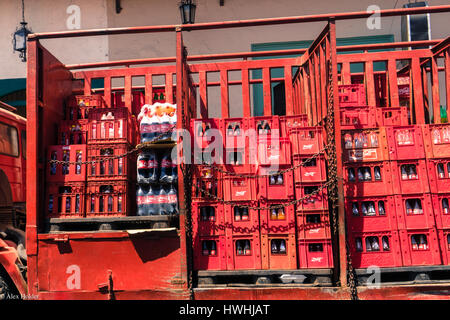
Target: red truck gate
column 158, row 264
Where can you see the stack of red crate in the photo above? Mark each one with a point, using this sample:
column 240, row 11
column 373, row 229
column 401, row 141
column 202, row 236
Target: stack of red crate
column 275, row 190
column 413, row 200
column 311, row 215
column 111, row 133
column 368, row 183
column 66, row 184
column 208, row 217
column 437, row 150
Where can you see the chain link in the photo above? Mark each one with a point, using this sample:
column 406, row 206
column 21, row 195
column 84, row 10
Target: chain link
column 241, row 175
column 126, row 154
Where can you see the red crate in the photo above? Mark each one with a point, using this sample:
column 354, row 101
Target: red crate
column 364, row 145
column 72, row 132
column 239, row 160
column 306, row 140
column 111, row 125
column 351, row 95
column 234, row 131
column 278, row 252
column 78, row 107
column 317, row 202
column 414, row 211
column 111, row 169
column 387, row 253
column 239, row 189
column 409, row 176
column 275, row 152
column 109, row 198
column 437, row 140
column 289, row 122
column 358, row 118
column 209, row 252
column 439, row 175
column 315, row 254
column 265, row 126
column 238, row 258
column 137, row 100
column 313, row 225
column 71, row 172
column 241, row 221
column 370, row 214
column 313, row 171
column 405, row 142
column 65, row 200
column 441, row 209
column 207, row 131
column 276, row 220
column 416, row 252
column 208, row 218
column 444, row 242
column 280, row 186
column 391, row 116
column 367, row 179
column 206, row 180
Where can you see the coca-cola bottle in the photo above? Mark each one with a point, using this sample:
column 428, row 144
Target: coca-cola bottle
column 367, row 175
column 273, row 247
column 377, row 173
column 282, row 246
column 166, row 169
column 245, row 216
column 414, row 244
column 436, row 136
column 273, row 214
column 239, row 249
column 79, row 156
column 281, row 214
column 151, row 200
column 165, row 125
column 355, row 209
column 280, row 179
column 404, row 173
column 351, row 174
column 423, row 242
column 152, row 165
column 145, row 127
column 172, row 200
column 259, row 128
column 445, row 206
column 272, row 180
column 247, row 249
column 440, row 169
column 417, row 207
column 409, row 209
column 348, row 142
column 204, row 214
column 163, row 202
column 205, row 250
column 360, row 174
column 381, row 209
column 358, row 244
column 237, row 214
column 213, row 248
column 50, row 203
column 400, row 138
column 173, row 178
column 375, row 245
column 211, row 215
column 385, row 242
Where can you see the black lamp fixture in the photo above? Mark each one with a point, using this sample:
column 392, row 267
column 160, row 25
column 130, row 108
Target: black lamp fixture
column 187, row 11
column 20, row 37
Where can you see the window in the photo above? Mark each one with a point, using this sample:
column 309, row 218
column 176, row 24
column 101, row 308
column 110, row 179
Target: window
column 372, row 244
column 243, row 248
column 9, row 140
column 208, row 213
column 209, row 248
column 419, row 242
column 315, row 247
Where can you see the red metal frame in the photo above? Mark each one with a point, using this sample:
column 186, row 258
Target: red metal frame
column 304, row 94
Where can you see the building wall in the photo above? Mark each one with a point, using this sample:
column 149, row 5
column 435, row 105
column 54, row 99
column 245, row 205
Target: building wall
column 48, row 15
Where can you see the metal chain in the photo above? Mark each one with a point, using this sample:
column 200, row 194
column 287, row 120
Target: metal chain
column 126, row 154
column 240, row 175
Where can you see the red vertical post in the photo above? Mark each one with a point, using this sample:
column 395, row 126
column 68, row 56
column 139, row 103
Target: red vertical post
column 181, row 124
column 447, row 78
column 288, row 88
column 224, row 93
column 393, row 83
column 128, row 97
column 169, row 88
column 318, row 88
column 149, row 88
column 435, row 91
column 267, row 91
column 245, row 93
column 87, row 86
column 312, row 89
column 370, row 84
column 417, row 91
column 337, row 125
column 345, row 73
column 32, row 204
column 323, row 79
column 107, row 92
column 203, row 91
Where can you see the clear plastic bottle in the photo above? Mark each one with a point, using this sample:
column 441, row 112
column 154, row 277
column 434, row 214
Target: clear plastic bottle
column 173, row 200
column 166, row 169
column 140, row 199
